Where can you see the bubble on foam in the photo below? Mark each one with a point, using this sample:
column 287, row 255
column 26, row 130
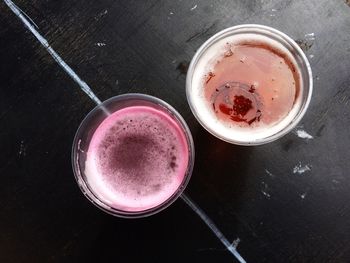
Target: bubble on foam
column 206, row 63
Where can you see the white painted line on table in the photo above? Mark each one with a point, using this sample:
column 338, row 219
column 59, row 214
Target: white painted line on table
column 230, row 247
column 82, row 84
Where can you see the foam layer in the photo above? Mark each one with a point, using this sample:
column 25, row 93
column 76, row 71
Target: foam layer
column 137, row 158
column 228, row 131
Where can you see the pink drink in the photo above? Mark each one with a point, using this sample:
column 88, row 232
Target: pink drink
column 249, row 84
column 137, row 158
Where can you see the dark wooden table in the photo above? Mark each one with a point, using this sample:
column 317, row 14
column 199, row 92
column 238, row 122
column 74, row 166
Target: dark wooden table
column 254, row 194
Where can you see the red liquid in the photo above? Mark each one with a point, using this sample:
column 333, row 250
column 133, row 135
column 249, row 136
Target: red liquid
column 137, row 158
column 251, row 84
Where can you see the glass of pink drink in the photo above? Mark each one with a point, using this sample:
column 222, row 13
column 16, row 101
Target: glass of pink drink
column 133, row 155
column 249, row 84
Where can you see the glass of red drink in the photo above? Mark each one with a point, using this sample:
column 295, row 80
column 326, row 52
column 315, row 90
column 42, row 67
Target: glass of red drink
column 133, row 155
column 249, row 84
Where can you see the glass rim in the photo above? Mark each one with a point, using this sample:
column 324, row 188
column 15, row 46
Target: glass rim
column 82, row 183
column 273, row 32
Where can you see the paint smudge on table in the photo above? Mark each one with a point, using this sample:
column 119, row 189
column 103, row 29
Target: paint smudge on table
column 273, row 10
column 100, row 44
column 300, row 169
column 303, row 134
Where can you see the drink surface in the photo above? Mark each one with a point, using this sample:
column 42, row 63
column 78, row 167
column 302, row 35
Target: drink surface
column 137, row 158
column 246, row 86
column 252, row 84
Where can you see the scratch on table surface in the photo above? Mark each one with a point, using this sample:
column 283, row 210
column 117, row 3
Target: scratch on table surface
column 203, row 33
column 89, row 58
column 340, row 98
column 269, row 173
column 321, row 116
column 264, row 190
column 22, row 149
column 194, row 7
column 342, row 95
column 24, row 13
column 102, row 14
column 303, row 134
column 320, row 130
column 300, row 169
column 236, row 242
column 266, row 194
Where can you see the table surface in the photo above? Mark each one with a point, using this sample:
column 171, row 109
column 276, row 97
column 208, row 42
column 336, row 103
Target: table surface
column 253, row 194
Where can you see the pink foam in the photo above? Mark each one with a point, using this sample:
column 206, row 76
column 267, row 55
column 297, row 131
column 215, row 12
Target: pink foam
column 137, row 158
